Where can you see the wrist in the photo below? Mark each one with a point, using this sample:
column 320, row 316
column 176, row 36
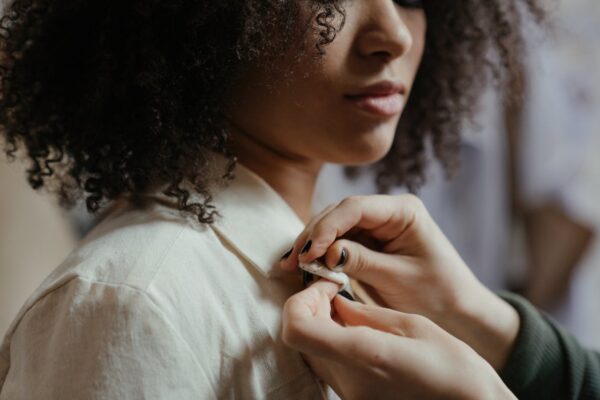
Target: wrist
column 498, row 390
column 492, row 389
column 488, row 324
column 485, row 383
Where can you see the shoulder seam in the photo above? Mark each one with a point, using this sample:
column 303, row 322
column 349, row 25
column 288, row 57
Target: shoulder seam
column 93, row 280
column 15, row 325
column 154, row 304
column 133, row 288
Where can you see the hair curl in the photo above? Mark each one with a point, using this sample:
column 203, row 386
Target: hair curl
column 108, row 98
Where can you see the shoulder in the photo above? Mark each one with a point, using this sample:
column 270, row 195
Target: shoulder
column 86, row 336
column 124, row 255
column 130, row 247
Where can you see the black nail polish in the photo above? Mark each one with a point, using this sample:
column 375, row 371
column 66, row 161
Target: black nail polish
column 307, row 278
column 343, row 258
column 306, row 247
column 287, row 254
column 347, row 295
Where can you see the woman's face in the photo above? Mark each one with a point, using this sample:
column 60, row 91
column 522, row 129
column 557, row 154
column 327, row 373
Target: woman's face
column 342, row 107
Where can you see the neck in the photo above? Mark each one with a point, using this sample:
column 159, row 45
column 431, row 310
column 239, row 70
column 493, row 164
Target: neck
column 293, row 178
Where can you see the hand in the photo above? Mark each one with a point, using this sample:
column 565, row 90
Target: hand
column 377, row 353
column 392, row 244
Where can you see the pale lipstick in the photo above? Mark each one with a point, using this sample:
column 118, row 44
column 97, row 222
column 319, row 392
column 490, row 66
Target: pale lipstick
column 385, row 99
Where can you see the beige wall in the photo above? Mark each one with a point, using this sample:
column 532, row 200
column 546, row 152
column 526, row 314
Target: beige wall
column 34, row 239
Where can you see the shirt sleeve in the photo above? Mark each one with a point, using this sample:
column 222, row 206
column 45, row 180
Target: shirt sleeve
column 547, row 362
column 89, row 340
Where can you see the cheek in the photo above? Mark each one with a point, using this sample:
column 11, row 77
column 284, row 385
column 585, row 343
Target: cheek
column 418, row 29
column 283, row 109
column 418, row 26
column 304, row 112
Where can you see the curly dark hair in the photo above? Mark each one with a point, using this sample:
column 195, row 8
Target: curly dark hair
column 107, row 98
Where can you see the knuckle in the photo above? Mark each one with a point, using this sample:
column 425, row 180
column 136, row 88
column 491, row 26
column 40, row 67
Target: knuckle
column 330, row 208
column 420, row 321
column 379, row 360
column 291, row 304
column 412, row 324
column 352, row 201
column 301, row 239
column 377, row 356
column 413, row 201
column 289, row 335
column 324, row 232
column 290, row 332
column 422, row 324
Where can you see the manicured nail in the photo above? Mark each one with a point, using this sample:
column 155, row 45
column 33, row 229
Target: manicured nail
column 306, row 247
column 307, row 278
column 286, row 255
column 343, row 258
column 347, row 295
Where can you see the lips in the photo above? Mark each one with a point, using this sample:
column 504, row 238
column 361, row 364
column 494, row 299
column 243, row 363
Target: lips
column 384, row 99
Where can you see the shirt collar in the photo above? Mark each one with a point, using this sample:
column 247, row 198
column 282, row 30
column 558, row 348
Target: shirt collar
column 255, row 220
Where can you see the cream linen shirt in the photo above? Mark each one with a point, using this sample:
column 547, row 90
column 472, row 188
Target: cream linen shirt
column 154, row 305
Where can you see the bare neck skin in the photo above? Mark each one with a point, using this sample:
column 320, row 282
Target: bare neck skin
column 293, row 178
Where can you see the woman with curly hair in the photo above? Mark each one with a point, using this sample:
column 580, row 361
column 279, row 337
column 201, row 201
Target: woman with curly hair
column 200, row 128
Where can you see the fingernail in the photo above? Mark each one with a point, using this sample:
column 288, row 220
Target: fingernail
column 307, row 278
column 286, row 255
column 343, row 258
column 306, row 247
column 347, row 295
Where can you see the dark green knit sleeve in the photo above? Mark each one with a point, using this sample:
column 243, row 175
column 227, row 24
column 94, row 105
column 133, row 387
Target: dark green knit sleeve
column 547, row 362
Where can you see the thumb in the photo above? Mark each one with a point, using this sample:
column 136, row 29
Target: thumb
column 306, row 317
column 365, row 265
column 379, row 318
column 312, row 302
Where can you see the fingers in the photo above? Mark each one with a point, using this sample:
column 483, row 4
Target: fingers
column 312, row 336
column 309, row 328
column 379, row 318
column 366, row 265
column 385, row 217
column 326, row 339
column 370, row 336
column 289, row 259
column 314, row 301
column 307, row 323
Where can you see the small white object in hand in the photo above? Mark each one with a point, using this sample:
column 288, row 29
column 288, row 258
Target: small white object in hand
column 319, row 269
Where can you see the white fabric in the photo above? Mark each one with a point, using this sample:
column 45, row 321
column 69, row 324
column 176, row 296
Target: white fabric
column 318, row 269
column 153, row 305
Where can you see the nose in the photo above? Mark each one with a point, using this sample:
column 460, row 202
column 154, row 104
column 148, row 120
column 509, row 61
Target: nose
column 386, row 35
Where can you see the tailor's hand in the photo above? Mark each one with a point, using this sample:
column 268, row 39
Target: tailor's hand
column 377, row 353
column 391, row 244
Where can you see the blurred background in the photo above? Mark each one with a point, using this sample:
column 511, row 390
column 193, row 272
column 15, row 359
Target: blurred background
column 523, row 210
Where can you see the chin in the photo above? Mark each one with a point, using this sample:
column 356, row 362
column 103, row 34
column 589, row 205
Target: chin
column 362, row 153
column 371, row 148
column 366, row 159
